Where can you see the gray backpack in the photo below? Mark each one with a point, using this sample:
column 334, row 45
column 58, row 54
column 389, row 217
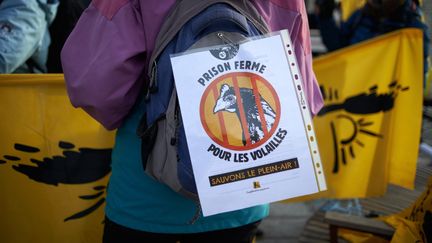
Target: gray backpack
column 191, row 24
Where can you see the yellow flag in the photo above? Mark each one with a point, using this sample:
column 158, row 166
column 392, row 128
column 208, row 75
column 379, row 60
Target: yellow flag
column 414, row 224
column 54, row 164
column 369, row 129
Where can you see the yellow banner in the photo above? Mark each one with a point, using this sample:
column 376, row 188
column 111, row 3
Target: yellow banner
column 54, row 164
column 369, row 129
column 414, row 224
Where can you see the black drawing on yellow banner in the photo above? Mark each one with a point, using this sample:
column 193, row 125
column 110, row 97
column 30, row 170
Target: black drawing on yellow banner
column 366, row 103
column 421, row 213
column 363, row 103
column 72, row 167
column 347, row 143
column 100, row 191
column 240, row 111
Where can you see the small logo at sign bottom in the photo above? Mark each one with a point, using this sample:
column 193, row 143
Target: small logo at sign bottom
column 256, row 185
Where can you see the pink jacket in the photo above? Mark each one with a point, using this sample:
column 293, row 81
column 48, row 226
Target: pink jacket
column 107, row 53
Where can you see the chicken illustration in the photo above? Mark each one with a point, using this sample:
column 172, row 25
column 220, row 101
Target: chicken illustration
column 227, row 101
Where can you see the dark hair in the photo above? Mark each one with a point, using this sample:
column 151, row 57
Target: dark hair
column 326, row 7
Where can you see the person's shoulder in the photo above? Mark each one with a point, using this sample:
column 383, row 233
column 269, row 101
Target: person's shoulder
column 109, row 8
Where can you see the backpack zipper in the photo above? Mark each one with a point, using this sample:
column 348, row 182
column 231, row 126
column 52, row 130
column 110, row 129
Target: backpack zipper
column 152, row 88
column 173, row 140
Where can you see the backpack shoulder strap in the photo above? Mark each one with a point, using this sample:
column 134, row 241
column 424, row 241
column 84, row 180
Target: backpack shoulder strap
column 184, row 10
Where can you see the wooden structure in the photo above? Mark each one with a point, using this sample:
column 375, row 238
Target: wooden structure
column 323, row 228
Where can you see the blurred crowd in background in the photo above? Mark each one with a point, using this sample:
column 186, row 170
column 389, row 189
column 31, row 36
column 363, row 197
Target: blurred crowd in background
column 32, row 32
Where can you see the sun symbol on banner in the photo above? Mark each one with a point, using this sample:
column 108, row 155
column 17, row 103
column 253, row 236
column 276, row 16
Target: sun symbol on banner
column 344, row 144
column 240, row 110
column 363, row 104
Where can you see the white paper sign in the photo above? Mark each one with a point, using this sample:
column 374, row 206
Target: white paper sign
column 248, row 125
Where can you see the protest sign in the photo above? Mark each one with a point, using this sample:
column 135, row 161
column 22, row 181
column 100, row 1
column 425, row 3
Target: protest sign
column 55, row 163
column 248, row 125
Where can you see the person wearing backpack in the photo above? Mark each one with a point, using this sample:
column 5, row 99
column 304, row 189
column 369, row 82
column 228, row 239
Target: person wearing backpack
column 24, row 35
column 106, row 62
